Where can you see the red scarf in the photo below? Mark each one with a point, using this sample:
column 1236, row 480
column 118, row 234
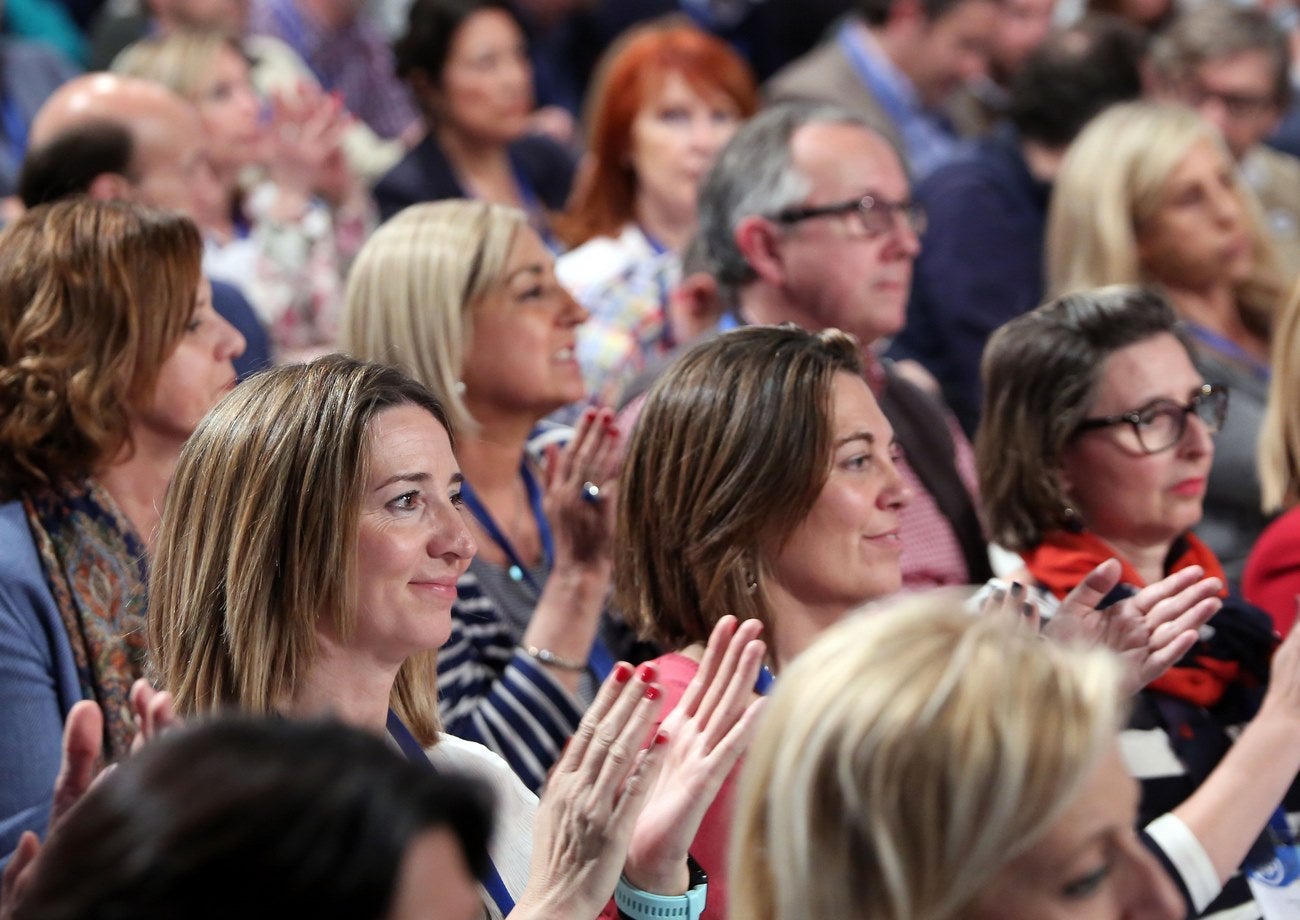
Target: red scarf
column 1062, row 560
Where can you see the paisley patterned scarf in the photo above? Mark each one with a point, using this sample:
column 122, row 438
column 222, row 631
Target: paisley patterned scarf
column 95, row 565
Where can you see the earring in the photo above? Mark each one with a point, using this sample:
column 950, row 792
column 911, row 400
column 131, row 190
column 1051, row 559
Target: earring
column 1073, row 520
column 751, row 579
column 460, row 387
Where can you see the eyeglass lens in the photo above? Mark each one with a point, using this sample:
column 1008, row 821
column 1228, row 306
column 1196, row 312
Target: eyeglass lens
column 1163, row 426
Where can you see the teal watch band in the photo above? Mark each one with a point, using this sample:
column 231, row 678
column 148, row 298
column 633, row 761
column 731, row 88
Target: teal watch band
column 636, row 904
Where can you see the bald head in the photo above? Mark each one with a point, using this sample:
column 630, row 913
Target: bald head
column 168, row 167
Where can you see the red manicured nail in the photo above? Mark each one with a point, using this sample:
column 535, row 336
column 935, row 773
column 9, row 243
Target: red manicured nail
column 652, row 692
column 647, row 672
column 661, row 738
column 622, row 671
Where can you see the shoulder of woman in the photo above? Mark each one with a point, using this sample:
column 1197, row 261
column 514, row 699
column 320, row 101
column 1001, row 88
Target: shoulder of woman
column 477, row 761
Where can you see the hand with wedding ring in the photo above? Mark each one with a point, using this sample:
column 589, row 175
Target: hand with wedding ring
column 580, row 490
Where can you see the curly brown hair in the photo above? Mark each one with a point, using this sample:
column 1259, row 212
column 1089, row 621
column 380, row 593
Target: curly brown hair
column 93, row 298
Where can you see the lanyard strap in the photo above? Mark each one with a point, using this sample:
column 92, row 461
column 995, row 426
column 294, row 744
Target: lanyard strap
column 15, row 129
column 492, row 881
column 599, row 659
column 1231, row 349
column 885, row 93
column 518, row 571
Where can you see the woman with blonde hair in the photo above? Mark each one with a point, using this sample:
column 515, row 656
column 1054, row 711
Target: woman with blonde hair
column 462, row 296
column 308, row 565
column 1272, row 577
column 291, row 214
column 924, row 764
column 1149, row 194
column 110, row 353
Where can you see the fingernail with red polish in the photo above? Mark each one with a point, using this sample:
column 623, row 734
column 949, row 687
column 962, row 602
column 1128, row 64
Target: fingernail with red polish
column 661, row 738
column 647, row 672
column 652, row 692
column 622, row 671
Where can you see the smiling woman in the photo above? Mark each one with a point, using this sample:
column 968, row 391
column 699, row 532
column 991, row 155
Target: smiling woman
column 110, row 353
column 719, row 517
column 462, row 295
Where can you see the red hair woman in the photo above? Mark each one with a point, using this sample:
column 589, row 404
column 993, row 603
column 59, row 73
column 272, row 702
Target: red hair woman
column 664, row 103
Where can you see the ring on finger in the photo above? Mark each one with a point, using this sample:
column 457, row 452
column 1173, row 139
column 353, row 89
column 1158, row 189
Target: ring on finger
column 590, row 492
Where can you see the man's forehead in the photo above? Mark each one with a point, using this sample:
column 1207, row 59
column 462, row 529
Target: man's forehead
column 847, row 158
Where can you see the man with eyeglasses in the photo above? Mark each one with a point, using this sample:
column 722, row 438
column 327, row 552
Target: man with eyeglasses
column 807, row 218
column 1232, row 64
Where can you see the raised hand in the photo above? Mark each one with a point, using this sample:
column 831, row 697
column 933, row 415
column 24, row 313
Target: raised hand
column 708, row 732
column 582, row 521
column 1150, row 631
column 592, row 800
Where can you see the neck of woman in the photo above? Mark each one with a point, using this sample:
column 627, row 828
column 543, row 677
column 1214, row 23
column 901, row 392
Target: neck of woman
column 344, row 686
column 138, row 482
column 482, row 167
column 1216, row 310
column 795, row 624
column 660, row 221
column 490, row 456
column 1147, row 559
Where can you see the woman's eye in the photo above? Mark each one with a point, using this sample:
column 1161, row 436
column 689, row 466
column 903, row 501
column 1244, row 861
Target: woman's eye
column 1087, row 885
column 674, row 115
column 457, row 499
column 405, row 502
column 858, row 462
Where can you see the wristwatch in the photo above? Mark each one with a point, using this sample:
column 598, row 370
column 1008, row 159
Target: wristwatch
column 635, row 904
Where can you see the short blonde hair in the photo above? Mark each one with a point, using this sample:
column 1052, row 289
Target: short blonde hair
column 906, row 757
column 182, row 61
column 258, row 540
column 412, row 289
column 1279, row 435
column 1113, row 178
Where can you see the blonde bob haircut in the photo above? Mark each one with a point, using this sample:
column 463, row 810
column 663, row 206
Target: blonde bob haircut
column 730, row 451
column 1113, row 179
column 182, row 61
column 258, row 540
column 1279, row 435
column 906, row 757
column 94, row 297
column 413, row 287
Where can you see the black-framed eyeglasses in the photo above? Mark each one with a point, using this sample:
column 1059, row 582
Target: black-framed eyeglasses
column 876, row 215
column 1237, row 105
column 1160, row 424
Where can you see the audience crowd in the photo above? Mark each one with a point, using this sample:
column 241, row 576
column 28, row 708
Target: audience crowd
column 650, row 459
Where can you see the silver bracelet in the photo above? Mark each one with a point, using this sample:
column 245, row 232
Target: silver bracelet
column 546, row 656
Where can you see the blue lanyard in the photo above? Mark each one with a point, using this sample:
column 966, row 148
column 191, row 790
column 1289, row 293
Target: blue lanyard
column 492, row 881
column 1232, row 350
column 766, row 679
column 599, row 659
column 518, row 571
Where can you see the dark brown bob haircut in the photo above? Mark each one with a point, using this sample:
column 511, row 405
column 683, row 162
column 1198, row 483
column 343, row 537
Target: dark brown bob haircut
column 1040, row 374
column 731, row 450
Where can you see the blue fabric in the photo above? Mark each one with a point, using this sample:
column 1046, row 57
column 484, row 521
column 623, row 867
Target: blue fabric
column 38, row 683
column 928, row 136
column 424, row 174
column 981, row 265
column 234, row 307
column 29, row 73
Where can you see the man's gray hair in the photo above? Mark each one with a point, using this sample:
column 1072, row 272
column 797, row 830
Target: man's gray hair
column 755, row 175
column 1217, row 30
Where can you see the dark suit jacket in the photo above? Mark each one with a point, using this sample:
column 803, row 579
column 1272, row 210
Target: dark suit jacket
column 424, row 174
